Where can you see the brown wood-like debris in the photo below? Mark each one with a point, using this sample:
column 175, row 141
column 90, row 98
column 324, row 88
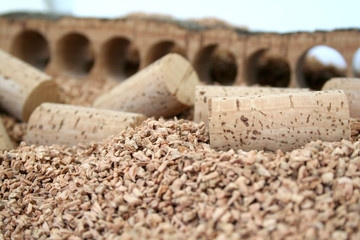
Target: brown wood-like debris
column 163, row 181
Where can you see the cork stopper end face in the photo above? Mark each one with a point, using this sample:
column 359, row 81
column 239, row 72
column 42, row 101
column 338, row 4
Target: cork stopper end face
column 46, row 91
column 181, row 78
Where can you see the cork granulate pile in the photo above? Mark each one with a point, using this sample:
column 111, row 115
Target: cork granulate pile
column 162, row 180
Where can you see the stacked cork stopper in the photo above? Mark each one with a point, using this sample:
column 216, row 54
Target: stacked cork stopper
column 236, row 117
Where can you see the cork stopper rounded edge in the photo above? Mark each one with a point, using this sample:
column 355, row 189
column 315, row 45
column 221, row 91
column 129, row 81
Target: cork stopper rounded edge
column 180, row 78
column 342, row 83
column 46, row 91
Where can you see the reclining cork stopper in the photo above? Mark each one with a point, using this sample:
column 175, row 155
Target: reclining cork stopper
column 278, row 121
column 165, row 88
column 23, row 88
column 69, row 125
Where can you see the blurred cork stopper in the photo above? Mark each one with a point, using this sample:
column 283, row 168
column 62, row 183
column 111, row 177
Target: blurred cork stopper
column 23, row 88
column 165, row 88
column 69, row 125
column 351, row 87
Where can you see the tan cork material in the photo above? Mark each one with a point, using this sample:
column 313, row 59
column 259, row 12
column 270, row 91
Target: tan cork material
column 204, row 93
column 165, row 88
column 5, row 142
column 351, row 87
column 69, row 125
column 23, row 88
column 278, row 121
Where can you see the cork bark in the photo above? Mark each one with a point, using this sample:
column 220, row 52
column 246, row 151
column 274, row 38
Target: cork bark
column 69, row 125
column 351, row 87
column 23, row 88
column 278, row 121
column 165, row 88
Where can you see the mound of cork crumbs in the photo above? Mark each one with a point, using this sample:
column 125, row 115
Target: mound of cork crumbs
column 162, row 180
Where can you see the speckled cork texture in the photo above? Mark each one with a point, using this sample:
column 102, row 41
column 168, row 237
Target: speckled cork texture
column 351, row 87
column 204, row 93
column 69, row 125
column 283, row 121
column 163, row 89
column 23, row 88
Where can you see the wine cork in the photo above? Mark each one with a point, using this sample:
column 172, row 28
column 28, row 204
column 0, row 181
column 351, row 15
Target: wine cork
column 278, row 121
column 23, row 88
column 5, row 142
column 165, row 88
column 204, row 93
column 351, row 87
column 69, row 125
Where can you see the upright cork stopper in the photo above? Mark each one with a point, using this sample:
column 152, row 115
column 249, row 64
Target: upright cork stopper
column 165, row 88
column 278, row 121
column 204, row 93
column 23, row 88
column 5, row 142
column 69, row 125
column 351, row 87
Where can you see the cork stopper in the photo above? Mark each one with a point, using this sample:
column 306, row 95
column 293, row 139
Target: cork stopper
column 23, row 87
column 204, row 93
column 69, row 125
column 351, row 87
column 165, row 88
column 278, row 121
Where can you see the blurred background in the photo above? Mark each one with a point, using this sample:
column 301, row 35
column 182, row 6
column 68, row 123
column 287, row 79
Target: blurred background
column 256, row 15
column 263, row 15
